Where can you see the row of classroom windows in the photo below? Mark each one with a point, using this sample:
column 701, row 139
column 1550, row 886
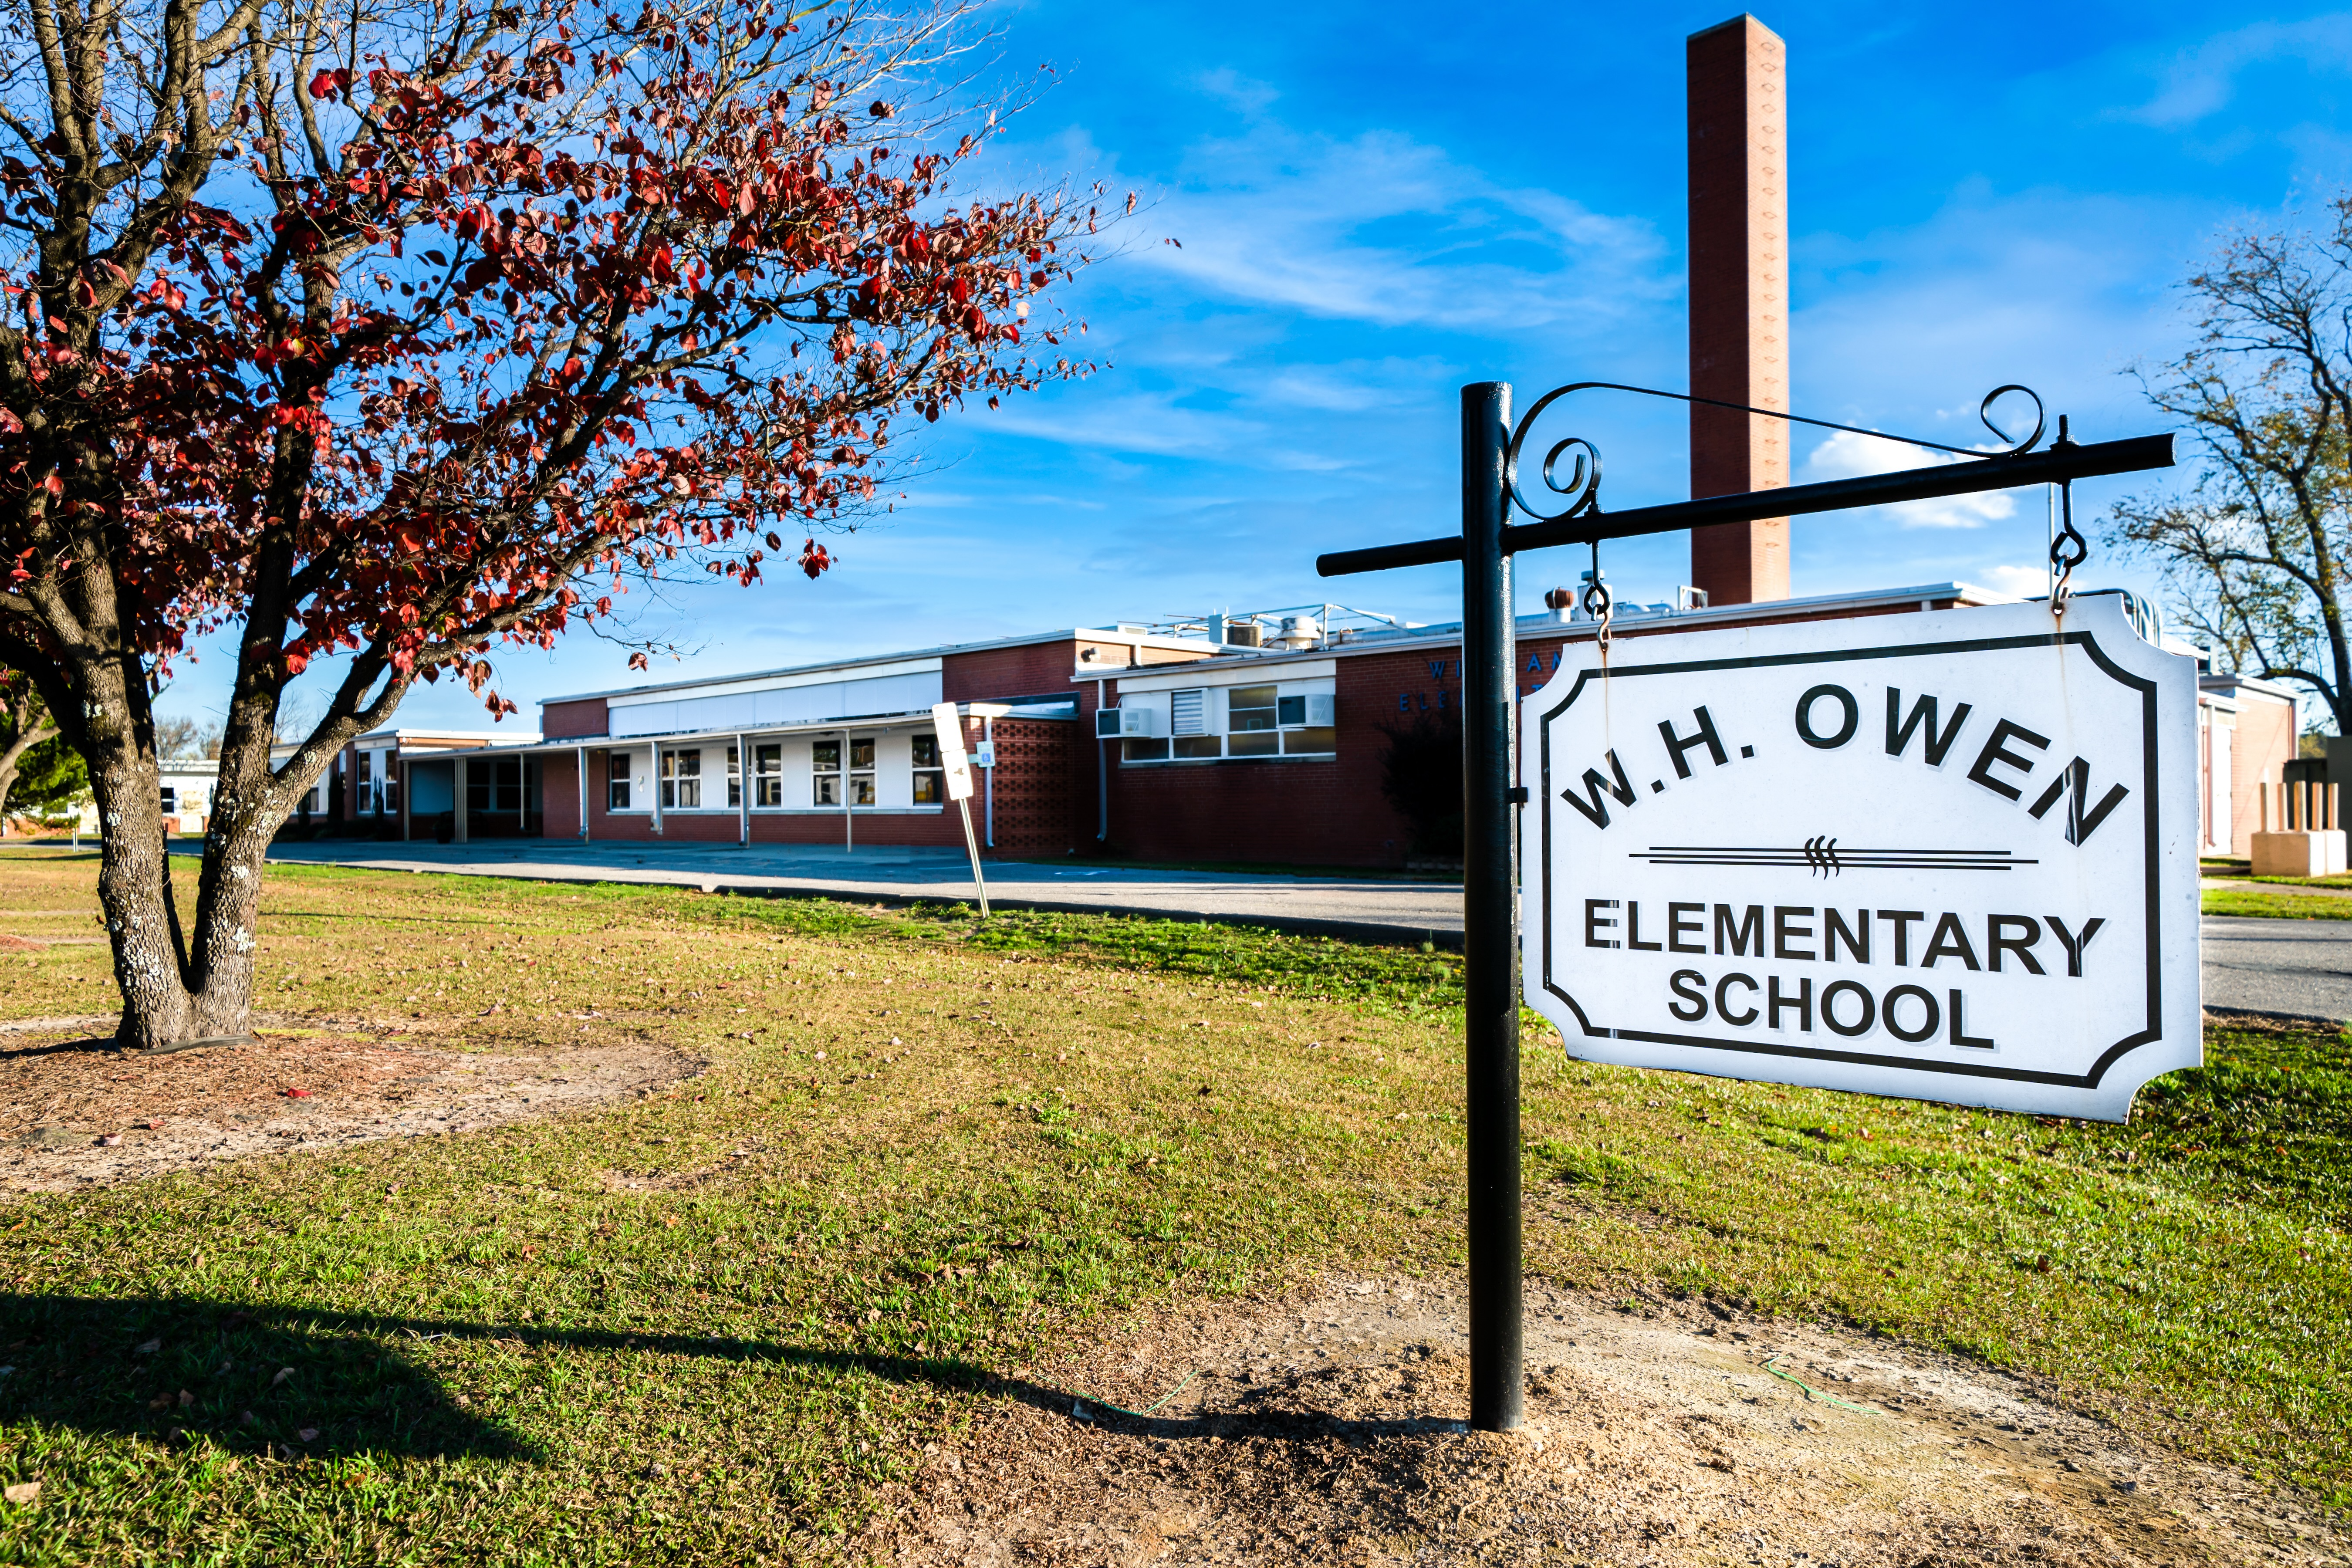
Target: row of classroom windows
column 492, row 784
column 501, row 784
column 829, row 783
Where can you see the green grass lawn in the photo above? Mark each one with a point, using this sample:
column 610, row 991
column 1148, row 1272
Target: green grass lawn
column 2277, row 906
column 1015, row 1131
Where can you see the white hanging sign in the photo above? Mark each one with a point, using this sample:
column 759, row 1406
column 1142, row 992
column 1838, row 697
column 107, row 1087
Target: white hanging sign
column 1948, row 856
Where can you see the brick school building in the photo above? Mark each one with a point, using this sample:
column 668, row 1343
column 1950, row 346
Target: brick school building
column 1283, row 737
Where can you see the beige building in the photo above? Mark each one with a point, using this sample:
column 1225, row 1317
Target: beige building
column 2246, row 734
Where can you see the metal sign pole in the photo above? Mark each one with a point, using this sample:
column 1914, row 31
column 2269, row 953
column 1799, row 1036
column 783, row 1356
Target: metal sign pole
column 972, row 844
column 1490, row 942
column 955, row 773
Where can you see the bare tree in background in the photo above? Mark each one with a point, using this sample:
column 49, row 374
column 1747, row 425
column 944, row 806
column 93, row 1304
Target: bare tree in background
column 24, row 723
column 2257, row 552
column 184, row 740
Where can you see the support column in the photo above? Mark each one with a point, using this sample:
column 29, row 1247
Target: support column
column 743, row 790
column 656, row 780
column 458, row 794
column 1490, row 934
column 1738, row 152
column 582, row 754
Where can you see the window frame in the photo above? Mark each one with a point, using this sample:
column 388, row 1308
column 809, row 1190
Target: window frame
column 824, row 783
column 862, row 780
column 619, row 773
column 768, row 782
column 930, row 778
column 682, row 779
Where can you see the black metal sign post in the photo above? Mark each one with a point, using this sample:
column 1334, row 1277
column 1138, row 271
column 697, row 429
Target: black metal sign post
column 1490, row 448
column 1490, row 925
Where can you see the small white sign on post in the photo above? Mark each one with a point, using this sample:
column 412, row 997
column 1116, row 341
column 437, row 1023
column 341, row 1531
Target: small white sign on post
column 955, row 765
column 1948, row 856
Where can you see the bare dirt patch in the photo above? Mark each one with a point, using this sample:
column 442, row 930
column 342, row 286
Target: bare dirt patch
column 1329, row 1428
column 75, row 1112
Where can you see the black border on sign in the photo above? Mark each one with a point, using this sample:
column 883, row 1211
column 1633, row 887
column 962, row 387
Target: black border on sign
column 2150, row 817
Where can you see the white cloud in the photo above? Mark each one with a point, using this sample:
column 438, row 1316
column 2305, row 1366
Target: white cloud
column 1846, row 455
column 2202, row 81
column 1381, row 228
column 1241, row 94
column 2020, row 582
column 1136, row 422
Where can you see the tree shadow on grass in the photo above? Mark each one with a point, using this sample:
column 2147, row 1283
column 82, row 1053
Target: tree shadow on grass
column 356, row 1387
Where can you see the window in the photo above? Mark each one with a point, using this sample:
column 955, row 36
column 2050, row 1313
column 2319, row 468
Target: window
column 1187, row 722
column 769, row 783
column 494, row 783
column 825, row 773
column 734, row 780
column 931, row 777
column 1135, row 750
column 861, row 769
column 1250, row 718
column 616, row 787
column 1309, row 742
column 171, row 801
column 367, row 783
column 389, row 792
column 681, row 781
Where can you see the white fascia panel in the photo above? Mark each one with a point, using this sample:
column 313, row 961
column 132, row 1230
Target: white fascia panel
column 1255, row 672
column 832, row 675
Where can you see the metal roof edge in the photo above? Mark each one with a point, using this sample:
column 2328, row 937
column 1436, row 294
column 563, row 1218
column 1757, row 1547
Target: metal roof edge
column 1449, row 634
column 1074, row 633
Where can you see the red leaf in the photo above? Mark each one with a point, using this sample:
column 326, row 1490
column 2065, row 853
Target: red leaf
column 296, row 1093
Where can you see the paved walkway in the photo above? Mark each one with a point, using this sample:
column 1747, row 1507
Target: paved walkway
column 2298, row 967
column 1365, row 908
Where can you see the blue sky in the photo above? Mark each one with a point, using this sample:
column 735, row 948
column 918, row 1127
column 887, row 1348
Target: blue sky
column 1378, row 204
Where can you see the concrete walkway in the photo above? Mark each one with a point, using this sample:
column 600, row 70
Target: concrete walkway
column 1365, row 908
column 2301, row 968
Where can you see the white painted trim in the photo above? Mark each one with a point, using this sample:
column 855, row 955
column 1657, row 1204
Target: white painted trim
column 1270, row 672
column 832, row 675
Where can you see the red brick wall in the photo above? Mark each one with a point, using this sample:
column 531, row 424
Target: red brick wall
column 1033, row 669
column 560, row 720
column 1036, row 804
column 1037, row 669
column 559, row 796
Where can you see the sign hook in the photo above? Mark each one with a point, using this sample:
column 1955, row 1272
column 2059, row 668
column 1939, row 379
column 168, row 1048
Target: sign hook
column 2068, row 549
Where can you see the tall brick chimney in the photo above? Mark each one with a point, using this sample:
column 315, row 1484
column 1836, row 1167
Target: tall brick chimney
column 1739, row 299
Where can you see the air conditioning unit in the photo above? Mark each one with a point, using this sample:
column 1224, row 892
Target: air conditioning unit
column 1314, row 711
column 1124, row 723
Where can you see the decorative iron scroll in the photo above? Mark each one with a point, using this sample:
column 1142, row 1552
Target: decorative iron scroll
column 1582, row 489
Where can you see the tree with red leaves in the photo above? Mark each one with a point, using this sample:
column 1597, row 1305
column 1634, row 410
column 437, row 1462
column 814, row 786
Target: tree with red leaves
column 393, row 337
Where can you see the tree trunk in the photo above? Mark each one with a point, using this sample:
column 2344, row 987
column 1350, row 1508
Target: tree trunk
column 180, row 980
